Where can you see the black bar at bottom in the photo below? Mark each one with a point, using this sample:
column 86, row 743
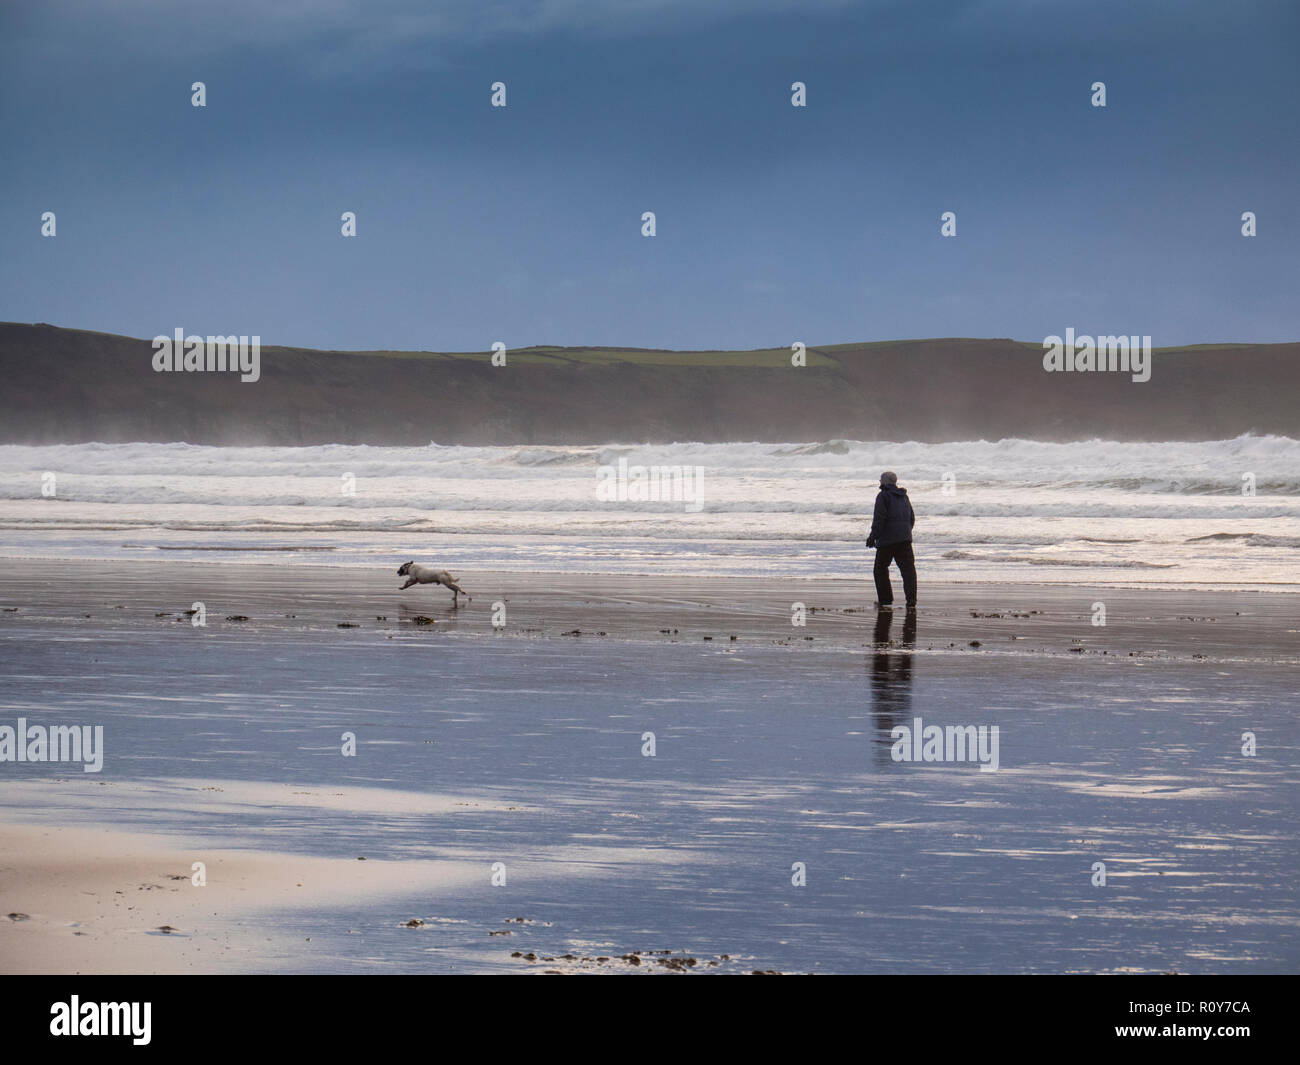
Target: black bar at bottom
column 330, row 1015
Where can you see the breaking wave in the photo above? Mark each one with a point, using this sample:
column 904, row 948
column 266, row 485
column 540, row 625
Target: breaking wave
column 1184, row 510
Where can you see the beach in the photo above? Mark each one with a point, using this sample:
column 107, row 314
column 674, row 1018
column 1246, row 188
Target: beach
column 634, row 763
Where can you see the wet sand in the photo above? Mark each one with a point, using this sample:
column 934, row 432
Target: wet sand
column 524, row 745
column 1023, row 619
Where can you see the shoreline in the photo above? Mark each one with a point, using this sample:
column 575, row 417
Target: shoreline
column 1127, row 584
column 350, row 604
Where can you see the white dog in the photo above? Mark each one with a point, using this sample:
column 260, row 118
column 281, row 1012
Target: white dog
column 415, row 573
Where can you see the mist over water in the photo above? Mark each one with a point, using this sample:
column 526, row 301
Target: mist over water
column 1097, row 511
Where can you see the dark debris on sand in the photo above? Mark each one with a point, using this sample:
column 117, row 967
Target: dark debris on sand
column 651, row 961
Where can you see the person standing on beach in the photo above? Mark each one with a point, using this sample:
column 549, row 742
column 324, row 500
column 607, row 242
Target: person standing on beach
column 891, row 536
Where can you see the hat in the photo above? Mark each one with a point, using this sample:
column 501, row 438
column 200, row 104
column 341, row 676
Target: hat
column 889, row 477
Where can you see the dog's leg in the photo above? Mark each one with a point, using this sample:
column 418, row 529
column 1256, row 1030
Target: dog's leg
column 409, row 581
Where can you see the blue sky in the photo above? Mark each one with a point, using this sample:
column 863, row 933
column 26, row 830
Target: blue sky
column 775, row 224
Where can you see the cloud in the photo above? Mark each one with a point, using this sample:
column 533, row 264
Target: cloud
column 374, row 25
column 333, row 38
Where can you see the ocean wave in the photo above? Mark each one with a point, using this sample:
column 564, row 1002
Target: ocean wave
column 829, row 447
column 544, row 456
column 1249, row 539
column 1199, row 467
column 525, row 498
column 1018, row 494
column 1045, row 560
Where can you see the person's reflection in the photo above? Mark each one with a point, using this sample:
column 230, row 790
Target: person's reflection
column 891, row 679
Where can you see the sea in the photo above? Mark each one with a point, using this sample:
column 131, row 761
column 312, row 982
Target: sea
column 1205, row 514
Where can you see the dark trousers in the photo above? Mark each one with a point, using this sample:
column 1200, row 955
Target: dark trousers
column 902, row 554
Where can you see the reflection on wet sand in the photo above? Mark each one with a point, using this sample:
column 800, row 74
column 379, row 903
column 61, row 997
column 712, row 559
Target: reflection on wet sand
column 891, row 678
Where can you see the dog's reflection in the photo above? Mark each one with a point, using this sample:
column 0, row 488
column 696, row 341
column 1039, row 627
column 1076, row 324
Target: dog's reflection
column 891, row 679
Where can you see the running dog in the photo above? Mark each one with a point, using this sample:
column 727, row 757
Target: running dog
column 416, row 573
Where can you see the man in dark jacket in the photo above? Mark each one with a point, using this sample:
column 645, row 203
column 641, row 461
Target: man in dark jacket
column 891, row 536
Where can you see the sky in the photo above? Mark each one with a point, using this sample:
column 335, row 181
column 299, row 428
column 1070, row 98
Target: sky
column 774, row 224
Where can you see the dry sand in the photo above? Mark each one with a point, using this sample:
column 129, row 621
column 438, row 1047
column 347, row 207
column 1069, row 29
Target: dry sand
column 98, row 901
